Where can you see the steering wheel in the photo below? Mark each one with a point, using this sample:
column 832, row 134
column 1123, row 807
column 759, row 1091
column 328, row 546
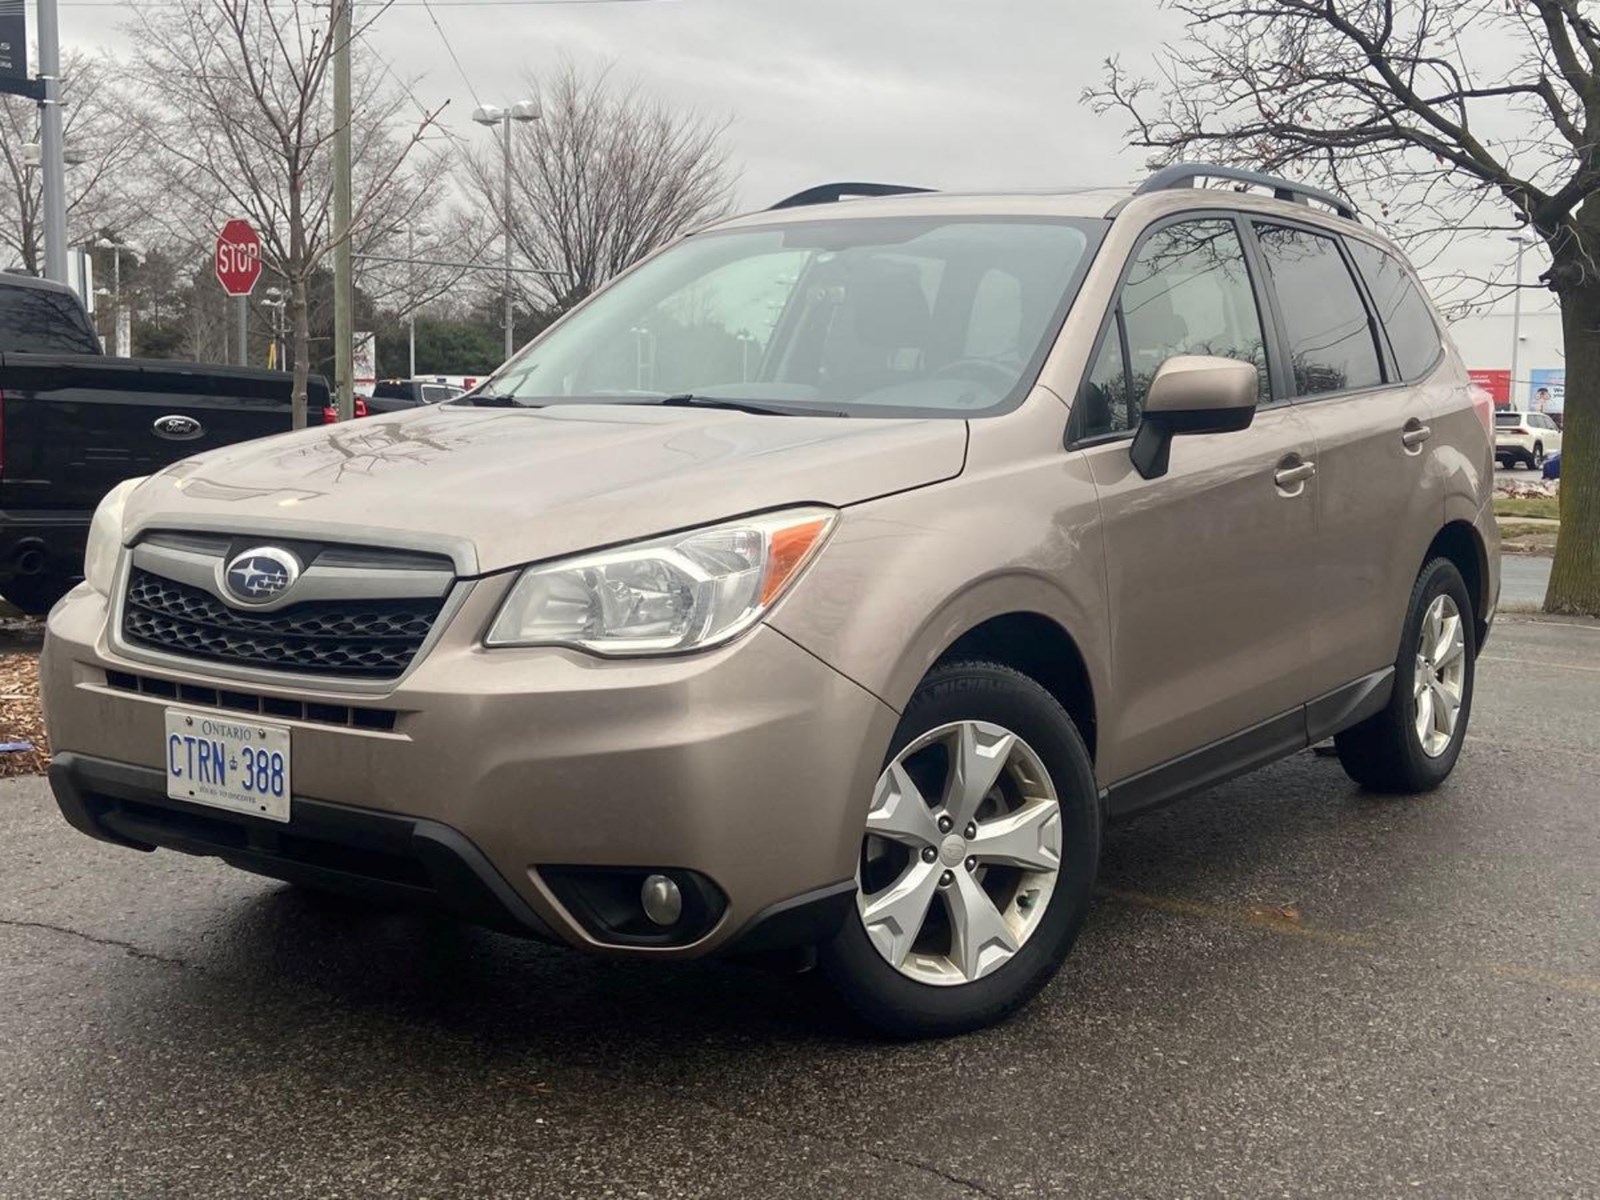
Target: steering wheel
column 985, row 371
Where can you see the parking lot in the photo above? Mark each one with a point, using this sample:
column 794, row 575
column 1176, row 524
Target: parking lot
column 1288, row 988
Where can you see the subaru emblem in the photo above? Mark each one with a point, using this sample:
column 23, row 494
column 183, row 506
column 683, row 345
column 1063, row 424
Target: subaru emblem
column 260, row 575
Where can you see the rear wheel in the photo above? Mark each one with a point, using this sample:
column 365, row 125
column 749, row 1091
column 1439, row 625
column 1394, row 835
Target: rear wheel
column 977, row 859
column 1537, row 461
column 1413, row 744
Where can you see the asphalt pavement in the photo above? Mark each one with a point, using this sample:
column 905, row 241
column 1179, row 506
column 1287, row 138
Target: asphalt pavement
column 1287, row 988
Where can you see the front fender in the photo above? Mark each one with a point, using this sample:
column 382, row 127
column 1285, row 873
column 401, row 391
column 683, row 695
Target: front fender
column 904, row 577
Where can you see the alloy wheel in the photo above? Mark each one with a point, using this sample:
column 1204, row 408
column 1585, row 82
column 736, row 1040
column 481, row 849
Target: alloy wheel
column 1441, row 675
column 961, row 853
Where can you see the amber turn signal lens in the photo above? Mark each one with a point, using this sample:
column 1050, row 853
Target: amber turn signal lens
column 791, row 547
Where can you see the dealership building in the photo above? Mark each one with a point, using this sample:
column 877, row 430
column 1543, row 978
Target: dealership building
column 1486, row 340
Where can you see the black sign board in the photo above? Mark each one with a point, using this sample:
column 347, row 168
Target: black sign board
column 13, row 39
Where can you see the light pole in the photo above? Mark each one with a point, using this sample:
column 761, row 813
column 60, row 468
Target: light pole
column 116, row 248
column 52, row 139
column 275, row 301
column 1523, row 241
column 488, row 114
column 411, row 300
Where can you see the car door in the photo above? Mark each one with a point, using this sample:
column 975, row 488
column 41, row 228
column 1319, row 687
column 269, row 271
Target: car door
column 1208, row 566
column 1377, row 508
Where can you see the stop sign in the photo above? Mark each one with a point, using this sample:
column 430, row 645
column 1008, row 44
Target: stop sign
column 238, row 258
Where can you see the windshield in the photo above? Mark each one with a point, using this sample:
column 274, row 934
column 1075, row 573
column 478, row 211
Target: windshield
column 864, row 316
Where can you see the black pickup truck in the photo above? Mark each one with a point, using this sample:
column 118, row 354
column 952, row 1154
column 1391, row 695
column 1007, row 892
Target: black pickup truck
column 74, row 423
column 397, row 395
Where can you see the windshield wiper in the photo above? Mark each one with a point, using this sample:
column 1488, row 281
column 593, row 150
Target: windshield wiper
column 759, row 407
column 489, row 400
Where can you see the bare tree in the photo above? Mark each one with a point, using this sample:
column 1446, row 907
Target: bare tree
column 98, row 131
column 1449, row 116
column 605, row 176
column 237, row 97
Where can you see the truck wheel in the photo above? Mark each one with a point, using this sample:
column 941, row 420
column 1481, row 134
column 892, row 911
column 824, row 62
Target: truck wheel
column 977, row 859
column 34, row 594
column 1412, row 745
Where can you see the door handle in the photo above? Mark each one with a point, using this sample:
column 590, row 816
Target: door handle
column 1292, row 476
column 1414, row 434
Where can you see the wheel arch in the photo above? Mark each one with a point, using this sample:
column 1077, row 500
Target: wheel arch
column 1043, row 650
column 1460, row 543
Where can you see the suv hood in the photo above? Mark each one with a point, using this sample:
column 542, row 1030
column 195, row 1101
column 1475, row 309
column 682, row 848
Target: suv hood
column 497, row 488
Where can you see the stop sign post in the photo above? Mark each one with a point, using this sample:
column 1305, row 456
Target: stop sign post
column 238, row 265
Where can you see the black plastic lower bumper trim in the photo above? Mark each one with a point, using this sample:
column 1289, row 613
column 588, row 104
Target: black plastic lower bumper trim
column 380, row 856
column 808, row 919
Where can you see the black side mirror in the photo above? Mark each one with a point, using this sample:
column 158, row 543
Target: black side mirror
column 1192, row 394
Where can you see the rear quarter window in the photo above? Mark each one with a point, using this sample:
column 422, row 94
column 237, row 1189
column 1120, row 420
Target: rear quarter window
column 1329, row 332
column 1413, row 336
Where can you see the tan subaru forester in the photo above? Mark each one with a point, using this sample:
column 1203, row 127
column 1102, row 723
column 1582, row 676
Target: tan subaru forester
column 824, row 583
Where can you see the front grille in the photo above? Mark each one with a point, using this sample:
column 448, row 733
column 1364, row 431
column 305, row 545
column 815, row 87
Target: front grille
column 368, row 639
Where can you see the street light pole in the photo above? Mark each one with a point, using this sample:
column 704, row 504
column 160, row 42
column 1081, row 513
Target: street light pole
column 485, row 114
column 1521, row 239
column 52, row 144
column 505, row 189
column 411, row 308
column 343, row 283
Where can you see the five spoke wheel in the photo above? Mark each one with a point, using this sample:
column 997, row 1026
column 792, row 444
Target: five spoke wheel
column 962, row 849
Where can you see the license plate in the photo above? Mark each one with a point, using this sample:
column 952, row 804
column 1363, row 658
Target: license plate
column 228, row 762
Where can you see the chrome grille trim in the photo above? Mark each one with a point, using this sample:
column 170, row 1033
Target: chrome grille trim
column 197, row 560
column 319, row 581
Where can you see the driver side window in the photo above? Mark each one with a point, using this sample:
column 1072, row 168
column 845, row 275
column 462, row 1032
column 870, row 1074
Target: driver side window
column 1187, row 292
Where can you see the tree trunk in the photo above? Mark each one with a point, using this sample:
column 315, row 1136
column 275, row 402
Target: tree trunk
column 302, row 348
column 1575, row 575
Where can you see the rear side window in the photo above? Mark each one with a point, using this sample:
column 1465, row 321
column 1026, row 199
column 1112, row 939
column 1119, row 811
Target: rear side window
column 1404, row 313
column 43, row 321
column 1331, row 346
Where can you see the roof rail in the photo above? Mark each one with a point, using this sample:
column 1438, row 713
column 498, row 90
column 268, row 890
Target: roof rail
column 832, row 193
column 1182, row 175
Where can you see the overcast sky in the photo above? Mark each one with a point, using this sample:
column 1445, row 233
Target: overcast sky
column 939, row 93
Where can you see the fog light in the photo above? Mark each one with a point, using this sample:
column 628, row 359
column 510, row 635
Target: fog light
column 662, row 901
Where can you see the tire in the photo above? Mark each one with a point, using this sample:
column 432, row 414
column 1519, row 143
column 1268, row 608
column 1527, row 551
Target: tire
column 979, row 696
column 36, row 594
column 1386, row 752
column 1537, row 461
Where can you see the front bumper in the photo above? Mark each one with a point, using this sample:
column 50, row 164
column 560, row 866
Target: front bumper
column 751, row 765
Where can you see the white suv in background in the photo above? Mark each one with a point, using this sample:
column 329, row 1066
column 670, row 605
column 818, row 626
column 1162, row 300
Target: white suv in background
column 1524, row 437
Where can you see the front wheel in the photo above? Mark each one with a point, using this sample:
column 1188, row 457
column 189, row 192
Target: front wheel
column 1413, row 743
column 977, row 859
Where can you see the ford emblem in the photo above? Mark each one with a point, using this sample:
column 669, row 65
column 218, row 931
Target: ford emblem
column 261, row 575
column 176, row 427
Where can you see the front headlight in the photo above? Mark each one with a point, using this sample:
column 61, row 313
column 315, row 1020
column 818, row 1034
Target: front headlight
column 684, row 592
column 105, row 537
